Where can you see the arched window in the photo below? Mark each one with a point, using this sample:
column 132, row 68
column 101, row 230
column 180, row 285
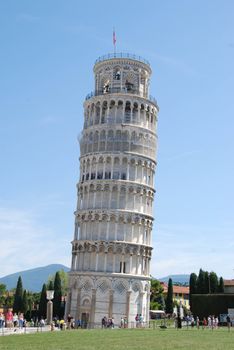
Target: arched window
column 117, row 74
column 106, row 87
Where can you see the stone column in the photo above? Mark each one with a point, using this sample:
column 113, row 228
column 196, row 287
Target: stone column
column 78, row 313
column 105, row 261
column 136, row 166
column 99, row 226
column 113, row 267
column 96, row 262
column 132, row 233
column 73, row 261
column 111, row 297
column 127, row 175
column 68, row 305
column 49, row 312
column 147, row 307
column 115, row 231
column 128, row 297
column 141, row 302
column 122, row 263
column 139, row 114
column 93, row 307
column 130, row 263
column 107, row 230
column 149, row 265
column 104, row 166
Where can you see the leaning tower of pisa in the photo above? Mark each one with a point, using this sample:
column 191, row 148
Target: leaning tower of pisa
column 112, row 244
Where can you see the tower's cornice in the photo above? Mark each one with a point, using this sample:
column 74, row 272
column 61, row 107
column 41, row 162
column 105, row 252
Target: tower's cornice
column 113, row 93
column 119, row 57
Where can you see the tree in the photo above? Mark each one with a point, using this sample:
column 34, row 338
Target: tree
column 206, row 282
column 2, row 294
column 192, row 287
column 43, row 302
column 31, row 303
column 214, row 284
column 221, row 285
column 156, row 297
column 169, row 299
column 50, row 285
column 57, row 295
column 24, row 302
column 18, row 297
column 9, row 301
column 64, row 280
column 201, row 282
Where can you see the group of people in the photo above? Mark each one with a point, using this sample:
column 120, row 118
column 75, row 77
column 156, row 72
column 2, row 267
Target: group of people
column 139, row 320
column 123, row 322
column 210, row 322
column 11, row 320
column 108, row 322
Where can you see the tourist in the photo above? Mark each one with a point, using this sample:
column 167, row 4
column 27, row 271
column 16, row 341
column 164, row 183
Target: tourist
column 197, row 322
column 78, row 324
column 212, row 322
column 21, row 320
column 52, row 326
column 15, row 320
column 216, row 322
column 179, row 322
column 62, row 325
column 69, row 319
column 209, row 322
column 192, row 321
column 137, row 320
column 122, row 322
column 204, row 323
column 2, row 320
column 104, row 322
column 9, row 319
column 187, row 319
column 141, row 320
column 42, row 322
column 228, row 319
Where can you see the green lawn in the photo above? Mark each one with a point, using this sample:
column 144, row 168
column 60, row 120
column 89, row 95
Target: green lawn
column 122, row 339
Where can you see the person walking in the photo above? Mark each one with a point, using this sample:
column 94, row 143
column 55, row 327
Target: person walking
column 197, row 322
column 204, row 323
column 228, row 319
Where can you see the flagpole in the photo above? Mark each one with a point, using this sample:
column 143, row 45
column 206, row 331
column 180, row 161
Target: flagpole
column 114, row 41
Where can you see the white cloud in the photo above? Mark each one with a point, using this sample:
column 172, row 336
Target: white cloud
column 182, row 249
column 26, row 243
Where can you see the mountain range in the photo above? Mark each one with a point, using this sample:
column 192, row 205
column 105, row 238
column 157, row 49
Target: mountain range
column 180, row 279
column 33, row 279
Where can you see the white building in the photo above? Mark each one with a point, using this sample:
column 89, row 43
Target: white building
column 111, row 249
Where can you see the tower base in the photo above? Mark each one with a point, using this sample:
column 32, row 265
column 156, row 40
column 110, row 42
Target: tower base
column 90, row 299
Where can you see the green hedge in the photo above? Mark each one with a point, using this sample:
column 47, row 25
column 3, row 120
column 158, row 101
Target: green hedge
column 211, row 304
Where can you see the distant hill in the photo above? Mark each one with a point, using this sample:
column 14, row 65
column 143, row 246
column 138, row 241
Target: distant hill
column 183, row 279
column 33, row 279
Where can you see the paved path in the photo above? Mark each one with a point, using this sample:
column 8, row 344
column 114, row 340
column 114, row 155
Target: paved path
column 27, row 330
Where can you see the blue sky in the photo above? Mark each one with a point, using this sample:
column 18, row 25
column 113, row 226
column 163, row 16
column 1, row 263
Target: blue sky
column 47, row 53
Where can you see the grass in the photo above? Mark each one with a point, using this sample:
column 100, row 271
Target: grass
column 122, row 339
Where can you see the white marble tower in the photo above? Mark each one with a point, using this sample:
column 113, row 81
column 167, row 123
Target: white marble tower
column 111, row 249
